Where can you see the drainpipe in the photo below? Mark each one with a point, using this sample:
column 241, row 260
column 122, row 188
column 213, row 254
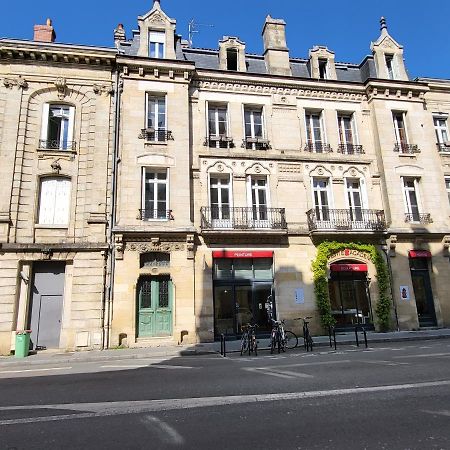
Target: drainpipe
column 107, row 315
column 388, row 260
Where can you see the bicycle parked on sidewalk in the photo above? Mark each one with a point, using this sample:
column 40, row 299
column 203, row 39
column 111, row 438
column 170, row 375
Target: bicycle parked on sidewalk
column 307, row 339
column 280, row 337
column 248, row 340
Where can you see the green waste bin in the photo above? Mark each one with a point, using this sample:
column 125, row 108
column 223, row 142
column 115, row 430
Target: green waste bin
column 22, row 343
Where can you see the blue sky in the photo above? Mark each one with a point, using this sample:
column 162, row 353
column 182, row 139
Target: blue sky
column 346, row 27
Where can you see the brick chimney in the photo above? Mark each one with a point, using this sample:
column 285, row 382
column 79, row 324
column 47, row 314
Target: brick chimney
column 44, row 33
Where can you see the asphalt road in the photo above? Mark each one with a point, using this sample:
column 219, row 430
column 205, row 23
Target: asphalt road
column 394, row 396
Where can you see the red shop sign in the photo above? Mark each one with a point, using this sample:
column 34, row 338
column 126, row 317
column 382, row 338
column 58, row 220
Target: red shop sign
column 419, row 254
column 348, row 267
column 242, row 254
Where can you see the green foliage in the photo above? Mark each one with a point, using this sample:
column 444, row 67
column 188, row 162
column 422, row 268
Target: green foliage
column 319, row 267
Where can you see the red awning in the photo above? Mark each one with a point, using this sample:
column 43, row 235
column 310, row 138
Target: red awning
column 243, row 254
column 419, row 254
column 348, row 267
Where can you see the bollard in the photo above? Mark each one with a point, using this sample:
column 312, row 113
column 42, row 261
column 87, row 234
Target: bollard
column 329, row 335
column 334, row 337
column 223, row 350
column 365, row 336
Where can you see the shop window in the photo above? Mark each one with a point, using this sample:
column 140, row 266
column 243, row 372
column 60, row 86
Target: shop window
column 243, row 268
column 263, row 268
column 223, row 269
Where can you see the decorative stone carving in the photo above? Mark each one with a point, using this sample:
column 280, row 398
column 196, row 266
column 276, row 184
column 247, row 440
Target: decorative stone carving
column 103, row 89
column 61, row 87
column 9, row 83
column 392, row 243
column 144, row 247
column 446, row 245
column 157, row 19
column 119, row 246
column 56, row 166
column 190, row 246
column 289, row 168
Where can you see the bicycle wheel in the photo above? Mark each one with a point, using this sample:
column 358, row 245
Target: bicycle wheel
column 244, row 343
column 291, row 339
column 279, row 342
column 309, row 341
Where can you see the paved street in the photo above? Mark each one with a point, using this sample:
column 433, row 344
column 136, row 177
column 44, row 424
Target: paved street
column 390, row 396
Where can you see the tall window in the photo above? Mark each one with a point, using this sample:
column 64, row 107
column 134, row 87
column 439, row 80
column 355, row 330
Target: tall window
column 314, row 132
column 157, row 41
column 321, row 198
column 440, row 126
column 323, row 69
column 54, row 201
column 217, row 125
column 400, row 131
column 57, row 127
column 259, row 196
column 156, row 117
column 410, row 190
column 155, row 198
column 347, row 134
column 254, row 130
column 354, row 199
column 390, row 66
column 232, row 59
column 447, row 187
column 220, row 197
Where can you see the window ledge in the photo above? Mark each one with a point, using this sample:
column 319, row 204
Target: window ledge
column 408, row 155
column 52, row 227
column 57, row 152
column 162, row 144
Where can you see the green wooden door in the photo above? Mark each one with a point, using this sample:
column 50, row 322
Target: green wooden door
column 154, row 303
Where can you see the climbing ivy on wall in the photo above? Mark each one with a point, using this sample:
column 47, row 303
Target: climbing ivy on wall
column 319, row 267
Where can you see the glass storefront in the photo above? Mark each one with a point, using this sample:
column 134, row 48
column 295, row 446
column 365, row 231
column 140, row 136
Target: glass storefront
column 349, row 295
column 242, row 287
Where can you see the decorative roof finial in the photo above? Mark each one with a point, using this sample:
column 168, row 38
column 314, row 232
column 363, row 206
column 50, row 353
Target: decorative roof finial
column 383, row 25
column 156, row 4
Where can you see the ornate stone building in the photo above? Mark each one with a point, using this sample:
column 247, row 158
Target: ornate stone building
column 225, row 176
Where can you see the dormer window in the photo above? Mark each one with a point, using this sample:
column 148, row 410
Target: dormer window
column 390, row 66
column 323, row 69
column 232, row 59
column 157, row 40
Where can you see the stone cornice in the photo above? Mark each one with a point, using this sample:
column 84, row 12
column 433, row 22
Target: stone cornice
column 32, row 52
column 400, row 90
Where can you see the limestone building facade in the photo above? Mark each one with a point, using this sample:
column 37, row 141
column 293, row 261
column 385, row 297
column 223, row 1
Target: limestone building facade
column 223, row 181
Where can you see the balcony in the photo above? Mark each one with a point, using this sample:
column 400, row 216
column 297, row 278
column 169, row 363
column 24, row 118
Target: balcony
column 444, row 147
column 56, row 144
column 406, row 149
column 155, row 214
column 256, row 143
column 219, row 142
column 228, row 218
column 416, row 217
column 320, row 219
column 350, row 149
column 156, row 135
column 318, row 147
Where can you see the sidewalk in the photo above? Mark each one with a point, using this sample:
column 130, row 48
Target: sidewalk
column 170, row 351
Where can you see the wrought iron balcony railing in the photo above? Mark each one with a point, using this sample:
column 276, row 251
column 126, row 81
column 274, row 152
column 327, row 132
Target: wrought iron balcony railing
column 56, row 144
column 155, row 214
column 443, row 147
column 256, row 143
column 406, row 149
column 416, row 217
column 156, row 135
column 237, row 218
column 219, row 141
column 350, row 149
column 346, row 219
column 318, row 147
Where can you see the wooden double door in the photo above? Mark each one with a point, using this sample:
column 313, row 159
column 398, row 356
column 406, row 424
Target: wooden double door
column 154, row 306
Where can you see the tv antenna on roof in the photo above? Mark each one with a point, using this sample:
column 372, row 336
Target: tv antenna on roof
column 192, row 27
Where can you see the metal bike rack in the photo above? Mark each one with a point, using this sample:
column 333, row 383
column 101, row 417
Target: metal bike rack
column 356, row 335
column 223, row 347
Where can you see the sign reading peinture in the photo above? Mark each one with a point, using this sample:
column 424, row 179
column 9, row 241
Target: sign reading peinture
column 243, row 254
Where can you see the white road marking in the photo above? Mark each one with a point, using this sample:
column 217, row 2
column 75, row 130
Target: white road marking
column 165, row 432
column 123, row 366
column 424, row 355
column 34, row 370
column 443, row 412
column 385, row 363
column 165, row 366
column 104, row 409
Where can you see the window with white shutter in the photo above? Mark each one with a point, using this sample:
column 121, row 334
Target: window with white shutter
column 54, row 201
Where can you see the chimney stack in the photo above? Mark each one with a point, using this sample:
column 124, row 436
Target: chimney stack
column 44, row 33
column 119, row 34
column 276, row 52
